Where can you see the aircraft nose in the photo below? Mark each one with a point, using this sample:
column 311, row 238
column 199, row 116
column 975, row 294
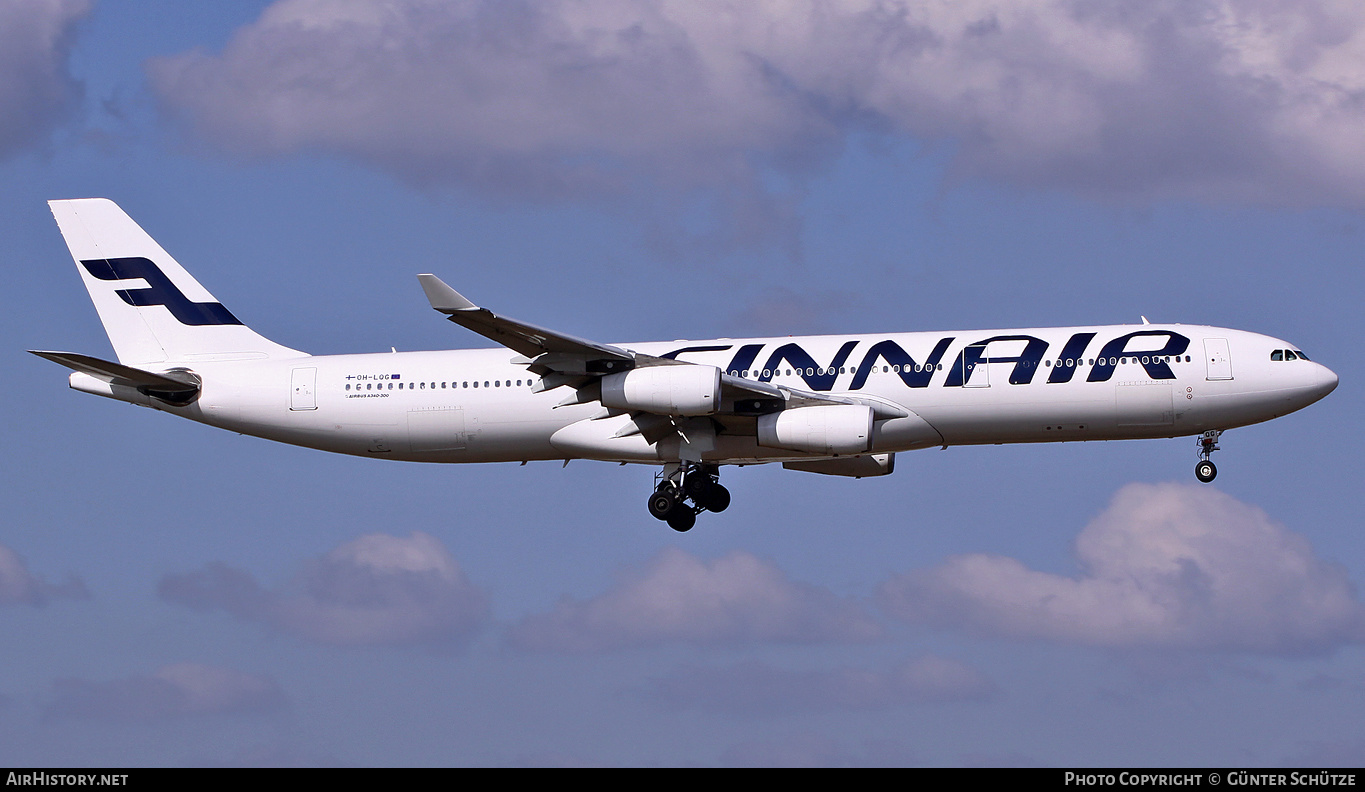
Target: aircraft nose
column 1321, row 382
column 1317, row 381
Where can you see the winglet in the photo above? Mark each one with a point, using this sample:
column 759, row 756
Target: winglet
column 527, row 340
column 442, row 297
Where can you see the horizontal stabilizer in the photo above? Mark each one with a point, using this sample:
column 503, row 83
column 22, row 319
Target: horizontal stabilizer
column 174, row 386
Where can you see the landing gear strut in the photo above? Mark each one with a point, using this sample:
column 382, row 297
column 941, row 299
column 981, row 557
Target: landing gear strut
column 685, row 491
column 1205, row 471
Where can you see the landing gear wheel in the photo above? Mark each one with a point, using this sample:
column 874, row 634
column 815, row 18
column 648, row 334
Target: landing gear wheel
column 715, row 498
column 682, row 519
column 1205, row 471
column 663, row 503
column 685, row 489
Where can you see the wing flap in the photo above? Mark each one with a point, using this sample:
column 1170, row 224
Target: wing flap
column 751, row 397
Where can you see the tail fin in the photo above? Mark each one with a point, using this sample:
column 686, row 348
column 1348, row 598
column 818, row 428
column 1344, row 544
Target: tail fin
column 152, row 309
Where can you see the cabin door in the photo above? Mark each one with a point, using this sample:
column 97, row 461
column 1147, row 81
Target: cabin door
column 303, row 385
column 1218, row 358
column 978, row 374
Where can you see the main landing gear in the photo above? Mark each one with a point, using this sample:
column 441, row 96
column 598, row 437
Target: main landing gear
column 1205, row 471
column 687, row 490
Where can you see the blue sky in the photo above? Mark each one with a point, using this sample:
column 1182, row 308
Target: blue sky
column 633, row 171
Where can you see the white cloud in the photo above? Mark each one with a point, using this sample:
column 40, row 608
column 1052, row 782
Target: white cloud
column 174, row 691
column 377, row 589
column 756, row 688
column 36, row 91
column 509, row 96
column 18, row 586
column 1222, row 100
column 679, row 598
column 1165, row 565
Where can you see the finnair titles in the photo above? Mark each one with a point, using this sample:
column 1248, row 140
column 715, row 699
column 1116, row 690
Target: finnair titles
column 835, row 405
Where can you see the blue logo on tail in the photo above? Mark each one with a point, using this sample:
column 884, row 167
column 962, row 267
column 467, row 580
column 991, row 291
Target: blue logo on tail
column 159, row 291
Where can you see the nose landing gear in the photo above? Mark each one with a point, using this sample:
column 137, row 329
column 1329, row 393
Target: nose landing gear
column 685, row 491
column 1206, row 471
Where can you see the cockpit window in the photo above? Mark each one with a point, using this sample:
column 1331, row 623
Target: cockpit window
column 1289, row 355
column 1301, row 355
column 1277, row 355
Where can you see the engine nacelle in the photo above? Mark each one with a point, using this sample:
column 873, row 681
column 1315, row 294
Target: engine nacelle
column 668, row 390
column 853, row 467
column 827, row 429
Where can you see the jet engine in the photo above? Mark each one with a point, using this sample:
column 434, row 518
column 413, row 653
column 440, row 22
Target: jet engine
column 668, row 390
column 826, row 429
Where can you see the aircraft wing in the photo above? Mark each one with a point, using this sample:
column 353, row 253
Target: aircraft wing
column 528, row 339
column 562, row 359
column 740, row 389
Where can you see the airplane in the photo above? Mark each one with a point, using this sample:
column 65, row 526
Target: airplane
column 840, row 405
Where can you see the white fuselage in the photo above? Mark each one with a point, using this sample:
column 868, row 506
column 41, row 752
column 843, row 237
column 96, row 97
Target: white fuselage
column 971, row 387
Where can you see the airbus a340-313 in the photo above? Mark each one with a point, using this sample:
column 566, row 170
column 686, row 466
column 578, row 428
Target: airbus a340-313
column 840, row 405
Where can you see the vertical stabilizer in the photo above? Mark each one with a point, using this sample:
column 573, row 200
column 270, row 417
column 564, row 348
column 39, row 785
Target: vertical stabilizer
column 152, row 309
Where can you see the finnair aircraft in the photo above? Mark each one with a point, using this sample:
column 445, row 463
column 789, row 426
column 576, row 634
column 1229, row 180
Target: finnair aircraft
column 837, row 405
